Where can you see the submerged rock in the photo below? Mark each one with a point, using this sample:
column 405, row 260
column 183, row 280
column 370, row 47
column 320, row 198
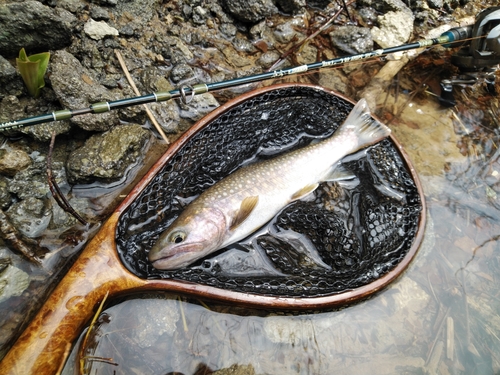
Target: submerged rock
column 30, row 216
column 13, row 282
column 34, row 26
column 198, row 107
column 36, row 174
column 108, row 155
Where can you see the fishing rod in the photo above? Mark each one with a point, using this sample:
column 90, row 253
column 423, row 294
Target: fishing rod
column 186, row 93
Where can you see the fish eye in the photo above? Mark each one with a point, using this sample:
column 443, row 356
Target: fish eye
column 177, row 237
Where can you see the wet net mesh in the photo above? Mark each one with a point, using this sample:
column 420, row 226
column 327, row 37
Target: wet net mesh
column 359, row 231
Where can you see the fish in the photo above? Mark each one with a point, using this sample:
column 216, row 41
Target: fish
column 248, row 198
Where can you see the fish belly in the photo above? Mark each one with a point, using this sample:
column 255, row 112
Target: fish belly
column 275, row 182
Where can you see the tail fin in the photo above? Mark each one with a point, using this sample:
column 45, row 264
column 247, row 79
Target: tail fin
column 367, row 130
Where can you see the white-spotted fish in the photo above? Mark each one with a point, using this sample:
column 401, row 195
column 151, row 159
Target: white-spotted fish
column 244, row 201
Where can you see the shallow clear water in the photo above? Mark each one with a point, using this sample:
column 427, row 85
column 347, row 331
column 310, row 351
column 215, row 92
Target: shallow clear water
column 440, row 317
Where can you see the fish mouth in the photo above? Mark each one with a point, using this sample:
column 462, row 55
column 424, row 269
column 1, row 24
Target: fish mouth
column 182, row 257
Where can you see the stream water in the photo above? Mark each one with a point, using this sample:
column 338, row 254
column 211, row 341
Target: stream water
column 440, row 317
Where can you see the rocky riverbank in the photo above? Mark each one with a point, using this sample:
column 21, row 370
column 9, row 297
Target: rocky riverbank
column 165, row 44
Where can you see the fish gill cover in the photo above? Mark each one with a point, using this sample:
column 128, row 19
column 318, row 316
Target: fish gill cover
column 360, row 231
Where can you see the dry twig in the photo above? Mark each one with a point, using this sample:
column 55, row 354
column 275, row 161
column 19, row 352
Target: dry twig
column 136, row 91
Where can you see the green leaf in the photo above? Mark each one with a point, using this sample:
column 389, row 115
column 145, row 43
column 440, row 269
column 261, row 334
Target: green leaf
column 32, row 69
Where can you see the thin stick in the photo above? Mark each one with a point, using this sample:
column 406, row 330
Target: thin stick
column 85, row 339
column 54, row 187
column 67, row 349
column 436, row 338
column 347, row 10
column 184, row 322
column 136, row 91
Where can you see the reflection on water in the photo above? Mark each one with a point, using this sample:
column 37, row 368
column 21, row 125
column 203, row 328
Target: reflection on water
column 440, row 317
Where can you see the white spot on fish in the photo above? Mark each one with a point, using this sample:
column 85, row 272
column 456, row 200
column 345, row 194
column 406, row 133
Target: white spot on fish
column 264, row 116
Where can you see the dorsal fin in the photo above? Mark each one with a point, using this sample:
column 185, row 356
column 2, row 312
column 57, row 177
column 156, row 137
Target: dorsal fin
column 246, row 208
column 308, row 189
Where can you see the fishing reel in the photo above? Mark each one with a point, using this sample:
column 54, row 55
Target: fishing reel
column 478, row 61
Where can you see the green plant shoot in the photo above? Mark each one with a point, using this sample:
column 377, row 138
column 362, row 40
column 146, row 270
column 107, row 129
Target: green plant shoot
column 32, row 69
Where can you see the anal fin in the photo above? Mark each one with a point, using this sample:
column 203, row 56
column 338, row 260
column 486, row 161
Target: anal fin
column 339, row 173
column 306, row 190
column 247, row 206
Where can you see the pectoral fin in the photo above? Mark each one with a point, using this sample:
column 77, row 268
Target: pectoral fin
column 306, row 190
column 247, row 206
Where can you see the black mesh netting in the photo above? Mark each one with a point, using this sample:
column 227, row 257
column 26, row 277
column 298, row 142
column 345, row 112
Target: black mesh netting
column 349, row 234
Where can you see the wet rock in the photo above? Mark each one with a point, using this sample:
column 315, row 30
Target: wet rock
column 99, row 30
column 13, row 282
column 30, row 216
column 285, row 32
column 181, row 72
column 384, row 6
column 200, row 106
column 62, row 219
column 234, row 58
column 10, row 81
column 5, row 196
column 436, row 4
column 291, row 6
column 76, row 89
column 200, row 15
column 99, row 14
column 36, row 174
column 34, row 26
column 228, row 29
column 12, row 161
column 395, row 28
column 369, row 15
column 321, row 4
column 307, row 55
column 250, row 10
column 262, row 32
column 105, row 2
column 137, row 11
column 72, row 6
column 266, row 60
column 175, row 49
column 167, row 115
column 107, row 156
column 352, row 39
column 243, row 45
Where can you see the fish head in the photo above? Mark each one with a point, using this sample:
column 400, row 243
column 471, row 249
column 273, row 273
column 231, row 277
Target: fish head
column 193, row 235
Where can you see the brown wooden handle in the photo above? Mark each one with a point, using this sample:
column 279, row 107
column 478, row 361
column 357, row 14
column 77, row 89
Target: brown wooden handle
column 42, row 347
